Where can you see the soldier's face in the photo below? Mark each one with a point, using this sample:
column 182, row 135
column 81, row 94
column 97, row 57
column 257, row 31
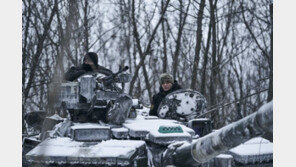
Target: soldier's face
column 166, row 86
column 87, row 60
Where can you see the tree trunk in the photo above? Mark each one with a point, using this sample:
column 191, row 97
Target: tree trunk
column 24, row 58
column 37, row 55
column 182, row 21
column 214, row 61
column 165, row 57
column 25, row 37
column 148, row 48
column 270, row 87
column 148, row 87
column 198, row 44
column 205, row 58
column 86, row 27
column 214, row 72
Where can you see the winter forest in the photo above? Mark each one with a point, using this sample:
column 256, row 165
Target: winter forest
column 222, row 49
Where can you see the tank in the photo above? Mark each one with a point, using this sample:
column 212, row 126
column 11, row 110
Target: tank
column 104, row 127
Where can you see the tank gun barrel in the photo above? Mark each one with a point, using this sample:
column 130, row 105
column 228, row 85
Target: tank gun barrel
column 230, row 136
column 122, row 70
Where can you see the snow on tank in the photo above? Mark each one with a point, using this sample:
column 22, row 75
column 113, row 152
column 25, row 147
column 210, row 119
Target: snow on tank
column 148, row 129
column 183, row 104
column 66, row 151
column 256, row 150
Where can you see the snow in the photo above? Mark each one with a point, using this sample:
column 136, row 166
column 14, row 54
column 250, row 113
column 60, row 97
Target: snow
column 116, row 152
column 224, row 156
column 255, row 146
column 144, row 111
column 57, row 146
column 155, row 132
column 151, row 117
column 122, row 143
column 186, row 104
column 164, row 109
column 199, row 119
column 257, row 140
column 254, row 149
column 142, row 127
column 122, row 129
column 116, row 148
column 87, row 76
column 135, row 102
column 68, row 151
column 61, row 141
column 56, row 117
column 88, row 126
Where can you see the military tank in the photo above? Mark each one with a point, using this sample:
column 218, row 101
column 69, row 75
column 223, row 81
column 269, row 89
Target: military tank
column 102, row 128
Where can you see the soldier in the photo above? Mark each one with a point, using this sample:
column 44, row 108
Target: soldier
column 90, row 64
column 167, row 85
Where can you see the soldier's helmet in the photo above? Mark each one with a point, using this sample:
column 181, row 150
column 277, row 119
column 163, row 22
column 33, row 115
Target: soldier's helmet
column 166, row 77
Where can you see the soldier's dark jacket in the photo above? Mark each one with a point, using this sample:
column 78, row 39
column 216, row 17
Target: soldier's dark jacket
column 75, row 72
column 157, row 98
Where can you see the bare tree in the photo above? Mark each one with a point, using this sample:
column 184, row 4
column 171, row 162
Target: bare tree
column 182, row 21
column 36, row 57
column 198, row 44
column 144, row 53
column 205, row 61
column 214, row 71
column 86, row 26
column 260, row 19
column 164, row 39
column 222, row 47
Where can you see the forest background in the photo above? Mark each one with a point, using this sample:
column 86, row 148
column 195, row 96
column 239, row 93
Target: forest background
column 222, row 49
column 11, row 70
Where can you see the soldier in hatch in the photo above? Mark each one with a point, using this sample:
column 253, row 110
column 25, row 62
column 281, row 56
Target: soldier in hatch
column 90, row 64
column 167, row 85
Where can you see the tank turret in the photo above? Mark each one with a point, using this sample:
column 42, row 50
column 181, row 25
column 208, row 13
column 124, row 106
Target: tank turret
column 94, row 97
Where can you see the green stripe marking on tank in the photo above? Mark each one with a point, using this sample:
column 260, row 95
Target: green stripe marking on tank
column 170, row 129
